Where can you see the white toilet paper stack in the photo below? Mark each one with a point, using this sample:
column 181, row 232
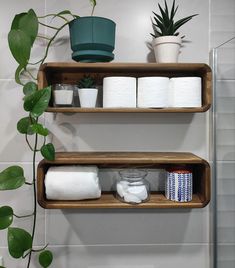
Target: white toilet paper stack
column 72, row 183
column 153, row 92
column 185, row 92
column 119, row 92
column 132, row 193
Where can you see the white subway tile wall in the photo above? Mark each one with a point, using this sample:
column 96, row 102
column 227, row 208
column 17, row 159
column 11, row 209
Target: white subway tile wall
column 223, row 29
column 113, row 238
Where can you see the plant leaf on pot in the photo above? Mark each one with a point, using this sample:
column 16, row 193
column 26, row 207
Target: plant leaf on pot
column 166, row 42
column 164, row 23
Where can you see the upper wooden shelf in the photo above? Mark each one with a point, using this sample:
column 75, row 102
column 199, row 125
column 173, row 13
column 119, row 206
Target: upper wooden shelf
column 70, row 73
column 200, row 168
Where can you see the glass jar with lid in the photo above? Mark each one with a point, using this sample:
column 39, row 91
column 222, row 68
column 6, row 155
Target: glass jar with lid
column 132, row 187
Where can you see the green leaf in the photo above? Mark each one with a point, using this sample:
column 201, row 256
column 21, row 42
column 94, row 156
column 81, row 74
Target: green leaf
column 48, row 151
column 45, row 258
column 39, row 129
column 93, row 3
column 6, row 217
column 18, row 73
column 64, row 12
column 20, row 46
column 181, row 22
column 166, row 10
column 30, row 88
column 12, row 178
column 19, row 241
column 23, row 125
column 37, row 102
column 29, row 25
column 16, row 20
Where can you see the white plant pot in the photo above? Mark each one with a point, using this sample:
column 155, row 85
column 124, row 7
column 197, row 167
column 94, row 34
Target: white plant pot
column 166, row 48
column 88, row 97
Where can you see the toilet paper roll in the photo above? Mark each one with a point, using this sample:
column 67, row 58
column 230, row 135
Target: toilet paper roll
column 119, row 92
column 185, row 92
column 153, row 92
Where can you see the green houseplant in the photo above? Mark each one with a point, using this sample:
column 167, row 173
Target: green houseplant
column 87, row 92
column 21, row 39
column 167, row 42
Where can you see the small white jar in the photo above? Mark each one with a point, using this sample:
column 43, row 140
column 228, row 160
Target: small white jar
column 63, row 94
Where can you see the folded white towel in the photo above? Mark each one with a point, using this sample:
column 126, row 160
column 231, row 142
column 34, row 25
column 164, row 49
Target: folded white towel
column 72, row 183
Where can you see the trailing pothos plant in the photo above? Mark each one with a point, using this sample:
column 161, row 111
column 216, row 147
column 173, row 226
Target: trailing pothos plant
column 21, row 39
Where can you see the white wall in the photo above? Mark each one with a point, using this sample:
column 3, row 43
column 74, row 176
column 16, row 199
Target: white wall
column 117, row 238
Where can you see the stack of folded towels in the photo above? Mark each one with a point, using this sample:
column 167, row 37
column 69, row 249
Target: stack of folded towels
column 72, row 183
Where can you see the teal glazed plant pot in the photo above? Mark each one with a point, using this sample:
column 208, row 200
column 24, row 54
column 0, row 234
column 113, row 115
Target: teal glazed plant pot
column 92, row 39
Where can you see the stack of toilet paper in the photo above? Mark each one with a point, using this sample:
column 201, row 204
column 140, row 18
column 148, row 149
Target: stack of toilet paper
column 132, row 193
column 153, row 92
column 72, row 183
column 185, row 92
column 119, row 92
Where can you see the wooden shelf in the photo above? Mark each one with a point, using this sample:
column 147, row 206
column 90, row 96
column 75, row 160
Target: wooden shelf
column 66, row 72
column 200, row 168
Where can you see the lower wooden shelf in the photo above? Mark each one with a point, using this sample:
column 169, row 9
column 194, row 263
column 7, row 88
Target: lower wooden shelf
column 107, row 200
column 200, row 168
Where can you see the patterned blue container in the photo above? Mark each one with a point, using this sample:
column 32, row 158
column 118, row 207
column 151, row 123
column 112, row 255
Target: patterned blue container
column 179, row 185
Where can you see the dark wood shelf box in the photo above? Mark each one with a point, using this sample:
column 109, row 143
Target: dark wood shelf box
column 70, row 73
column 200, row 168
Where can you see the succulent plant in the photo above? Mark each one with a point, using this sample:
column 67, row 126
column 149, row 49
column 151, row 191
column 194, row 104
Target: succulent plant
column 164, row 23
column 86, row 82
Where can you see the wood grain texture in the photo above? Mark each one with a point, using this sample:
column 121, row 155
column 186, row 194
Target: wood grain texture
column 70, row 72
column 201, row 177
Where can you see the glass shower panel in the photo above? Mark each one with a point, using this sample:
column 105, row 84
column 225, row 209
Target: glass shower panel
column 224, row 154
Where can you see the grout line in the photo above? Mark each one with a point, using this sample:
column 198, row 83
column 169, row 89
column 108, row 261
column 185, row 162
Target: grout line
column 128, row 245
column 45, row 226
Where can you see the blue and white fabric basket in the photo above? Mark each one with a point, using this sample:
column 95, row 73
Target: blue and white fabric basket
column 179, row 185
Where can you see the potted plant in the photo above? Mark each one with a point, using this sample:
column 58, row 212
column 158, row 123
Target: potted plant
column 167, row 42
column 87, row 92
column 21, row 39
column 92, row 38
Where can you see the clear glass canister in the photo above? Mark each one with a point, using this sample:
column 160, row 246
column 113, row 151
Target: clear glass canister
column 63, row 94
column 132, row 187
